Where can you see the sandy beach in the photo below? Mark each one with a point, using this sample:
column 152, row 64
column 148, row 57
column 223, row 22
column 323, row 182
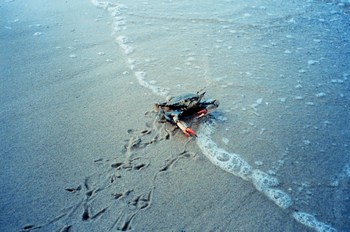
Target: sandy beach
column 82, row 148
column 64, row 105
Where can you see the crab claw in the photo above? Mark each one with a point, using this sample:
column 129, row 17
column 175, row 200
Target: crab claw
column 190, row 132
column 201, row 113
column 186, row 129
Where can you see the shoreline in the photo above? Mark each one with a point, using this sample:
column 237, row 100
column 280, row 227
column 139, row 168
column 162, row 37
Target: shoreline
column 82, row 154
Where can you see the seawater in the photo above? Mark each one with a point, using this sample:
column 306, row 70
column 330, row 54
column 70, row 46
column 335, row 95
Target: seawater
column 281, row 72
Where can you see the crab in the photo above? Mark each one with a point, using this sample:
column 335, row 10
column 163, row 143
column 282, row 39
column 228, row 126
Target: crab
column 177, row 109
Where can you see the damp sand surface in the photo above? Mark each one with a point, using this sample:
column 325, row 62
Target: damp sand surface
column 82, row 150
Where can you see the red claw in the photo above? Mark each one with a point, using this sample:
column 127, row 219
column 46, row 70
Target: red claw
column 186, row 129
column 190, row 132
column 201, row 113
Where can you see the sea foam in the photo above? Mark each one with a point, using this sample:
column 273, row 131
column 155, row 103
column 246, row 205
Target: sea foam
column 122, row 42
column 235, row 164
column 119, row 23
column 230, row 162
column 141, row 78
column 310, row 221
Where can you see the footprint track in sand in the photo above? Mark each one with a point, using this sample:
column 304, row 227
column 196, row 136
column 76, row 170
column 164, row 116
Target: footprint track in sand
column 115, row 196
column 170, row 162
column 132, row 164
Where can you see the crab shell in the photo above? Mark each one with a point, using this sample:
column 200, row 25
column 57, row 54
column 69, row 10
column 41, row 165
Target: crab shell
column 182, row 102
column 187, row 105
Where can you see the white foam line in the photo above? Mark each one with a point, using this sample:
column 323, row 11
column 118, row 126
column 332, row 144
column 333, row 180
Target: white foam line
column 122, row 42
column 119, row 20
column 140, row 76
column 109, row 6
column 263, row 182
column 235, row 164
column 310, row 221
column 230, row 162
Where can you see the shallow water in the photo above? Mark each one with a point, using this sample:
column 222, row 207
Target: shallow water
column 280, row 70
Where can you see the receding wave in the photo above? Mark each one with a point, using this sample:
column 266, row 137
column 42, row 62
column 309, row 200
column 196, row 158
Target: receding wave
column 227, row 161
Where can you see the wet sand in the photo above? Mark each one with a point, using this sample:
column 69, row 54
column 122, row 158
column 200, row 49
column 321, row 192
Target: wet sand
column 64, row 104
column 80, row 144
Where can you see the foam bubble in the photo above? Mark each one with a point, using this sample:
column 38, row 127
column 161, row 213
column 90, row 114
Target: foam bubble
column 279, row 197
column 229, row 162
column 320, row 94
column 310, row 221
column 235, row 164
column 337, row 81
column 141, row 78
column 109, row 6
column 38, row 33
column 262, row 180
column 122, row 42
column 225, row 140
column 312, row 62
column 115, row 11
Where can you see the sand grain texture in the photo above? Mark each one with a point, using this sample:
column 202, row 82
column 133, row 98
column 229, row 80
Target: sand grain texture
column 82, row 150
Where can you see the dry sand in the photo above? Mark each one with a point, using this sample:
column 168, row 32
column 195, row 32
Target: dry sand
column 80, row 153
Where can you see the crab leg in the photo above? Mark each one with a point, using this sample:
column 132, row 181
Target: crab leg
column 186, row 129
column 201, row 113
